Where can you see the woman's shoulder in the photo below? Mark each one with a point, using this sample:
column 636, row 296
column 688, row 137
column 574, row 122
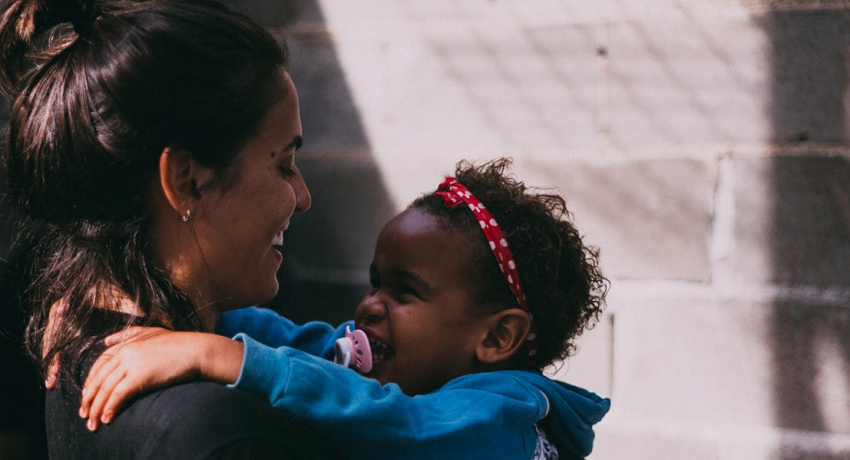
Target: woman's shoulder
column 209, row 421
column 196, row 420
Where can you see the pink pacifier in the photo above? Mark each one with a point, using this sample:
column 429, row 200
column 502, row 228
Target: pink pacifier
column 353, row 350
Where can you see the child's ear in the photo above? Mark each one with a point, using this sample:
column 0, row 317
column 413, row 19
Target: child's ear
column 505, row 336
column 182, row 178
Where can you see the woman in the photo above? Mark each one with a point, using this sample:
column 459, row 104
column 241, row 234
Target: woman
column 151, row 145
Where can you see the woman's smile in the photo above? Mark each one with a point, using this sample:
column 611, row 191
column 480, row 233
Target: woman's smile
column 244, row 227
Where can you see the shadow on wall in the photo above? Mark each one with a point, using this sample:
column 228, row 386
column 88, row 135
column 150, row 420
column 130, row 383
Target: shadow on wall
column 810, row 223
column 327, row 250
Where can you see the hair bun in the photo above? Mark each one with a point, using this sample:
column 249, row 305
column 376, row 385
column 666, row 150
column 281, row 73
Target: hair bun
column 50, row 13
column 80, row 13
column 24, row 24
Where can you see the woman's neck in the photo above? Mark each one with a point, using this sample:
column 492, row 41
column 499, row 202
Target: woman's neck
column 209, row 316
column 176, row 251
column 112, row 298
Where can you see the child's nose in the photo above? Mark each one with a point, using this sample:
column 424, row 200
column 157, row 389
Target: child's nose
column 371, row 309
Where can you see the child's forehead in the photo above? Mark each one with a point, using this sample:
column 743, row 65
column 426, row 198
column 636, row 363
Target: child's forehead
column 418, row 228
column 419, row 221
column 416, row 219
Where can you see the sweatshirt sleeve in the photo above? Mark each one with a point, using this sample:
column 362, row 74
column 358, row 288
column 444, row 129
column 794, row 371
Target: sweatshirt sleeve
column 475, row 416
column 269, row 328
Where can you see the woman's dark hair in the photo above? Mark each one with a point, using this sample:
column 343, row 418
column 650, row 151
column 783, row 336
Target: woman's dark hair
column 99, row 89
column 559, row 273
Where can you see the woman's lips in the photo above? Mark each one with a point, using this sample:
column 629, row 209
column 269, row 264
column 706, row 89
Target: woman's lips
column 278, row 237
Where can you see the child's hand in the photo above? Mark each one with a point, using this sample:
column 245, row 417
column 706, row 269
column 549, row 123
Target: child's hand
column 139, row 359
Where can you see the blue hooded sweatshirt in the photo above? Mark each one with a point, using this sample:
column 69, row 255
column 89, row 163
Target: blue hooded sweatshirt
column 476, row 416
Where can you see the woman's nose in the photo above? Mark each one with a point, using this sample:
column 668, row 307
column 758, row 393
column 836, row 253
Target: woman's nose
column 371, row 309
column 303, row 200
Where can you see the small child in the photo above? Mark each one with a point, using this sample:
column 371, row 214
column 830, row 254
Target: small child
column 467, row 305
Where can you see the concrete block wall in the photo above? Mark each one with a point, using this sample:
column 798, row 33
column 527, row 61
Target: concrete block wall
column 702, row 145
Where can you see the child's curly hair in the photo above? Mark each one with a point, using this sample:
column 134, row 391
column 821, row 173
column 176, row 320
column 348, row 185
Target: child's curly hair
column 560, row 275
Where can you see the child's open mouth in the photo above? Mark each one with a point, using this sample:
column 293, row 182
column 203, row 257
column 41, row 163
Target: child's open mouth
column 381, row 351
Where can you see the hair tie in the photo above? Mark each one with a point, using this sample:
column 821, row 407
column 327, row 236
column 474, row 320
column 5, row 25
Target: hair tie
column 82, row 14
column 454, row 193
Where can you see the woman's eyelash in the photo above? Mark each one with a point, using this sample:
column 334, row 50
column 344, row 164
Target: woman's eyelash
column 287, row 172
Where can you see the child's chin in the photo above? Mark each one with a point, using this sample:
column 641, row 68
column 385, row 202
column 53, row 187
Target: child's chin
column 381, row 377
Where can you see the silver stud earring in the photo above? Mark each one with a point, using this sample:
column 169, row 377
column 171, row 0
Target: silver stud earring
column 189, row 214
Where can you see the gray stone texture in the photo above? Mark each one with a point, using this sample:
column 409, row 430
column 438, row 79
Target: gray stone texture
column 591, row 366
column 810, row 355
column 807, row 97
column 793, row 220
column 683, row 362
column 720, row 362
column 688, row 80
column 516, row 79
column 652, row 447
column 650, row 219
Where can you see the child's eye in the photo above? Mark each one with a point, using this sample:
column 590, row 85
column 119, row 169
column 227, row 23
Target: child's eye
column 405, row 290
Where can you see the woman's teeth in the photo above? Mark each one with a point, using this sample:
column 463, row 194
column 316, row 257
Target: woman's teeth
column 278, row 239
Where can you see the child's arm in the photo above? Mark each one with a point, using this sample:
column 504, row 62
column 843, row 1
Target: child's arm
column 269, row 328
column 141, row 359
column 476, row 416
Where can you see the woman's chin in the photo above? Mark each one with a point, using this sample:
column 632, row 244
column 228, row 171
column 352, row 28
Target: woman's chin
column 271, row 292
column 277, row 254
column 260, row 294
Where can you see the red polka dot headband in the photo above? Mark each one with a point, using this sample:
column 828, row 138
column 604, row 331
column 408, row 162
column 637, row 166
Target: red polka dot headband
column 454, row 193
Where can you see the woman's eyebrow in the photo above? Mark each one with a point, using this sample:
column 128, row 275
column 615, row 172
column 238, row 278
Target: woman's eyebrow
column 296, row 142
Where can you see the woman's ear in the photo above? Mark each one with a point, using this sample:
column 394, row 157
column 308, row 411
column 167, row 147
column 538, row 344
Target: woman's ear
column 505, row 336
column 182, row 178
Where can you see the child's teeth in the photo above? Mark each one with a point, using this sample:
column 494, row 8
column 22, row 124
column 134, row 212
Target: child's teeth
column 278, row 239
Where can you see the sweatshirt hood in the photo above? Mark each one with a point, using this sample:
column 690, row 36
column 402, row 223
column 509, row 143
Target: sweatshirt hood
column 572, row 413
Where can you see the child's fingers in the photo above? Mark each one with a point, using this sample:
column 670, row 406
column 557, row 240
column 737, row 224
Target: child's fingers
column 92, row 425
column 115, row 344
column 105, row 366
column 57, row 310
column 52, row 373
column 102, row 360
column 123, row 392
column 124, row 335
column 102, row 394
